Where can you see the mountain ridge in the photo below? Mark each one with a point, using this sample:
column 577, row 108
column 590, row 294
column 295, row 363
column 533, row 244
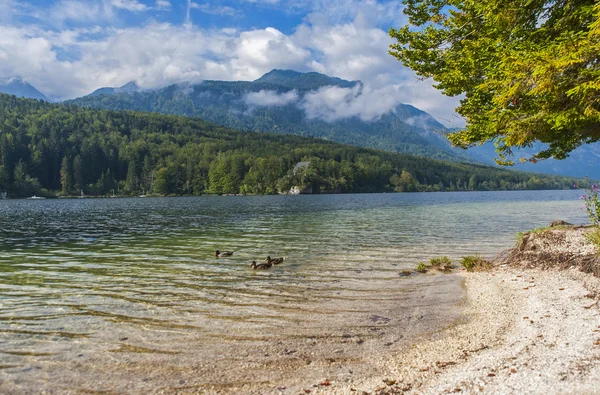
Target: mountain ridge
column 129, row 87
column 277, row 103
column 311, row 80
column 19, row 87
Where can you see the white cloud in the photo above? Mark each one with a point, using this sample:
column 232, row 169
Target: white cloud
column 349, row 52
column 129, row 5
column 339, row 38
column 33, row 59
column 73, row 10
column 362, row 12
column 155, row 55
column 259, row 51
column 268, row 98
column 6, row 10
column 163, row 5
column 188, row 20
column 424, row 96
column 95, row 11
column 262, row 1
column 358, row 51
column 418, row 120
column 331, row 103
column 216, row 10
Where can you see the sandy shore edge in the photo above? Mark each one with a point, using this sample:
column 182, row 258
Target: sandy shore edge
column 525, row 331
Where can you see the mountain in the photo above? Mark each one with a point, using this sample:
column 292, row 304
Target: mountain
column 20, row 88
column 304, row 81
column 67, row 148
column 582, row 162
column 278, row 103
column 130, row 87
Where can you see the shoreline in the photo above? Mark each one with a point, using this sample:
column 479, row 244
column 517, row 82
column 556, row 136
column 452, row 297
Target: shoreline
column 521, row 331
column 526, row 331
column 52, row 196
column 513, row 329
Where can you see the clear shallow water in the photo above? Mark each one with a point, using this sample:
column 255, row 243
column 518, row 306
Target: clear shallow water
column 115, row 282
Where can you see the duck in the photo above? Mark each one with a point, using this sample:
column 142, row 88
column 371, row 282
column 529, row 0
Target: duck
column 274, row 261
column 260, row 266
column 220, row 254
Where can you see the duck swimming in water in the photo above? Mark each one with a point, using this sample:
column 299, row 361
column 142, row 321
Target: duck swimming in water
column 260, row 266
column 274, row 261
column 220, row 254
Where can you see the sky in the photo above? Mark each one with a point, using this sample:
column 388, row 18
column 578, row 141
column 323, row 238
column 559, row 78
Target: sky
column 69, row 48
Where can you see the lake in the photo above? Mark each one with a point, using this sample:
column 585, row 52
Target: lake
column 124, row 294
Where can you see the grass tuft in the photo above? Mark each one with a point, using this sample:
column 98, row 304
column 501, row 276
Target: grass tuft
column 594, row 236
column 475, row 263
column 442, row 263
column 536, row 230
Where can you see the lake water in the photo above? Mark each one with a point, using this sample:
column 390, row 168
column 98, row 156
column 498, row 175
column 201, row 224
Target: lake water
column 124, row 294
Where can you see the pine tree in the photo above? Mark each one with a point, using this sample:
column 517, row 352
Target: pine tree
column 66, row 175
column 78, row 173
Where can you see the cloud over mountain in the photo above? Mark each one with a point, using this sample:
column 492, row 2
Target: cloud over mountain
column 332, row 103
column 77, row 46
column 267, row 98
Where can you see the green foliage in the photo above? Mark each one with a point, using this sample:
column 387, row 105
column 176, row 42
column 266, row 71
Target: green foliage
column 404, row 182
column 164, row 182
column 66, row 176
column 23, row 183
column 529, row 70
column 520, row 235
column 421, row 267
column 440, row 261
column 592, row 204
column 78, row 173
column 474, row 262
column 137, row 153
column 3, row 179
column 443, row 263
column 594, row 236
column 535, row 230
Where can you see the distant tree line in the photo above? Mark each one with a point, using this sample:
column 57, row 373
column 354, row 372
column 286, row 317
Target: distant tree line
column 64, row 149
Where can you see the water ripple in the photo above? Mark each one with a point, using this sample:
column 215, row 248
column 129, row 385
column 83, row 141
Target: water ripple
column 137, row 276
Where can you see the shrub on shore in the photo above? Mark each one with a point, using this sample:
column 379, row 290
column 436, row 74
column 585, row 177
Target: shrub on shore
column 442, row 263
column 475, row 263
column 592, row 204
column 594, row 236
column 536, row 230
column 592, row 208
column 421, row 267
column 559, row 247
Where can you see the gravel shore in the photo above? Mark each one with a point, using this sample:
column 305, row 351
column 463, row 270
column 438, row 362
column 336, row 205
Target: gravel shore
column 521, row 331
column 526, row 331
column 531, row 326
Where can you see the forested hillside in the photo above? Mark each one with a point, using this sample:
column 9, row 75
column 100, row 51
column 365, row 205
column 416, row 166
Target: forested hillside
column 66, row 149
column 289, row 102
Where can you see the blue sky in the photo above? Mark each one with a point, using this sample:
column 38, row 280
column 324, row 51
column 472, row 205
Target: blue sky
column 68, row 48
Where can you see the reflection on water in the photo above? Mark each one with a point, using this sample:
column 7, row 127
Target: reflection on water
column 117, row 281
